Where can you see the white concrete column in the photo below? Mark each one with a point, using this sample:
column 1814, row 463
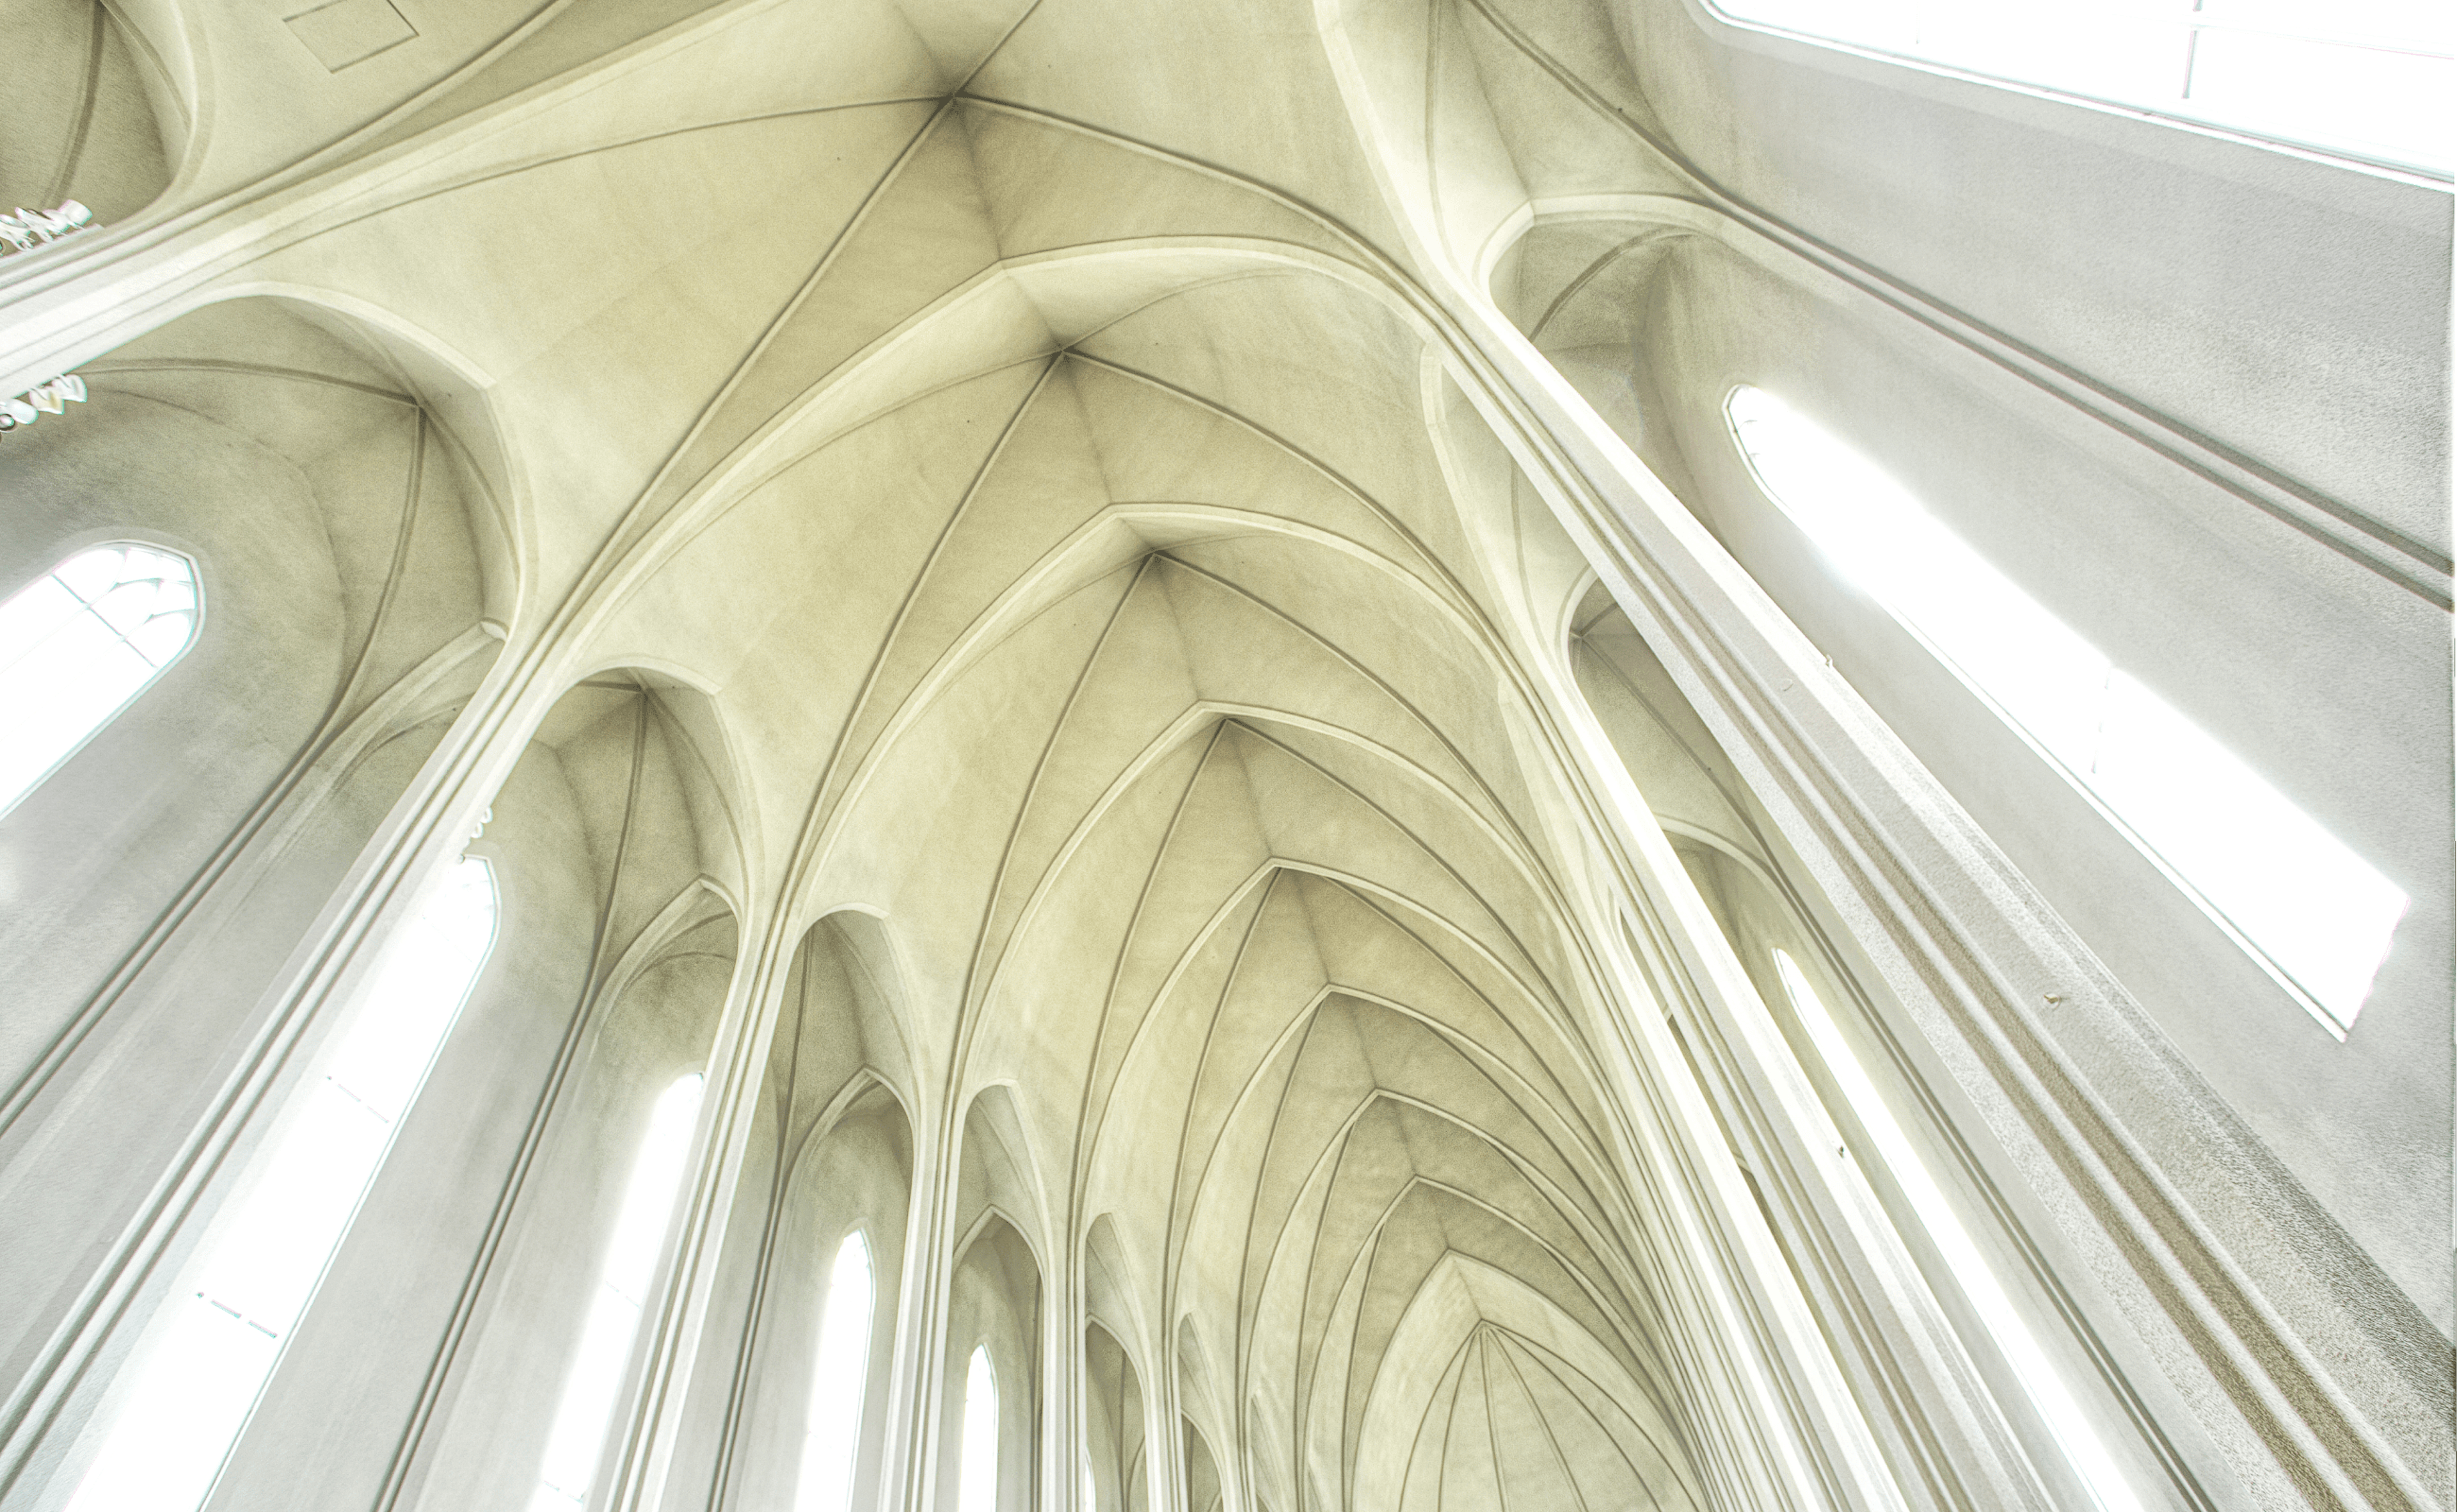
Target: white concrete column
column 1164, row 1425
column 908, row 1457
column 1061, row 1375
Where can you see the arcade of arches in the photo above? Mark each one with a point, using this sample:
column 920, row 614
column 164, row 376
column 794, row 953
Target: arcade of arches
column 1165, row 823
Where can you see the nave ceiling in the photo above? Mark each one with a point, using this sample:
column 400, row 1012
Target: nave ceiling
column 971, row 506
column 1053, row 495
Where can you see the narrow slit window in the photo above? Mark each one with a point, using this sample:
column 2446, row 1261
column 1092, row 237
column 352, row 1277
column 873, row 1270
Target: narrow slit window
column 2357, row 78
column 573, row 1444
column 2046, row 1389
column 830, row 1442
column 209, row 1353
column 78, row 643
column 2315, row 915
column 977, row 1476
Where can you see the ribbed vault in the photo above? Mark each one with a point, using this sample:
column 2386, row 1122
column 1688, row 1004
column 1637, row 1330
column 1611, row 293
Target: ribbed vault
column 1000, row 522
column 1094, row 602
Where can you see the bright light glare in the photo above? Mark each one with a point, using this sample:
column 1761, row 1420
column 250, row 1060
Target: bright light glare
column 209, row 1352
column 1091, row 1493
column 978, row 1468
column 2045, row 1387
column 597, row 1367
column 2311, row 911
column 837, row 1381
column 2369, row 78
column 80, row 641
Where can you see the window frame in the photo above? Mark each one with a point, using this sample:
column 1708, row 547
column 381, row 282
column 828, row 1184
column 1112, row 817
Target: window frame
column 262, row 1166
column 1845, row 1100
column 858, row 1234
column 980, row 1355
column 655, row 1278
column 1833, row 55
column 2305, row 998
column 197, row 611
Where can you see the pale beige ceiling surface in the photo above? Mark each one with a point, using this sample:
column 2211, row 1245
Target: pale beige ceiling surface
column 1043, row 485
column 1021, row 429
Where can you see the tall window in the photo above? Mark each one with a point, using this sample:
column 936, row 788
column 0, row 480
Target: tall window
column 597, row 1368
column 2046, row 1389
column 208, row 1353
column 79, row 642
column 2367, row 78
column 2314, row 914
column 977, row 1476
column 837, row 1381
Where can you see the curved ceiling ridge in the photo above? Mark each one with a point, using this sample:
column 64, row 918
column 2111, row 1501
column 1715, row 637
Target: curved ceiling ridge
column 1199, row 721
column 1302, row 1253
column 1256, row 889
column 1324, row 1161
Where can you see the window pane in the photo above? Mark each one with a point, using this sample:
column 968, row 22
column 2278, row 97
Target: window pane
column 598, row 1365
column 837, row 1381
column 977, row 1484
column 2369, row 78
column 77, row 643
column 2317, row 916
column 209, row 1354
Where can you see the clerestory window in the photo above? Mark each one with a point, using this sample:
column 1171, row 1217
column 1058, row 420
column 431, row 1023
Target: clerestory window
column 599, row 1366
column 78, row 643
column 210, row 1351
column 977, row 1475
column 834, row 1436
column 2360, row 78
column 2315, row 915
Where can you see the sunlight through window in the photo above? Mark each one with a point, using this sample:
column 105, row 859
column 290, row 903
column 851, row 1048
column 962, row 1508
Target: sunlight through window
column 977, row 1474
column 598, row 1366
column 210, row 1352
column 2046, row 1389
column 837, row 1381
column 78, row 643
column 2314, row 914
column 2365, row 78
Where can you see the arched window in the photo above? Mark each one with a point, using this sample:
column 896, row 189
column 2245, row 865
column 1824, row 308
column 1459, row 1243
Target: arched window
column 1091, row 1492
column 837, row 1381
column 2361, row 78
column 598, row 1366
column 2047, row 1390
column 977, row 1476
column 2316, row 916
column 208, row 1353
column 78, row 643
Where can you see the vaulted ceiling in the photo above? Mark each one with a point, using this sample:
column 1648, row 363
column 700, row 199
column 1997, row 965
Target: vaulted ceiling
column 1023, row 425
column 1024, row 422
